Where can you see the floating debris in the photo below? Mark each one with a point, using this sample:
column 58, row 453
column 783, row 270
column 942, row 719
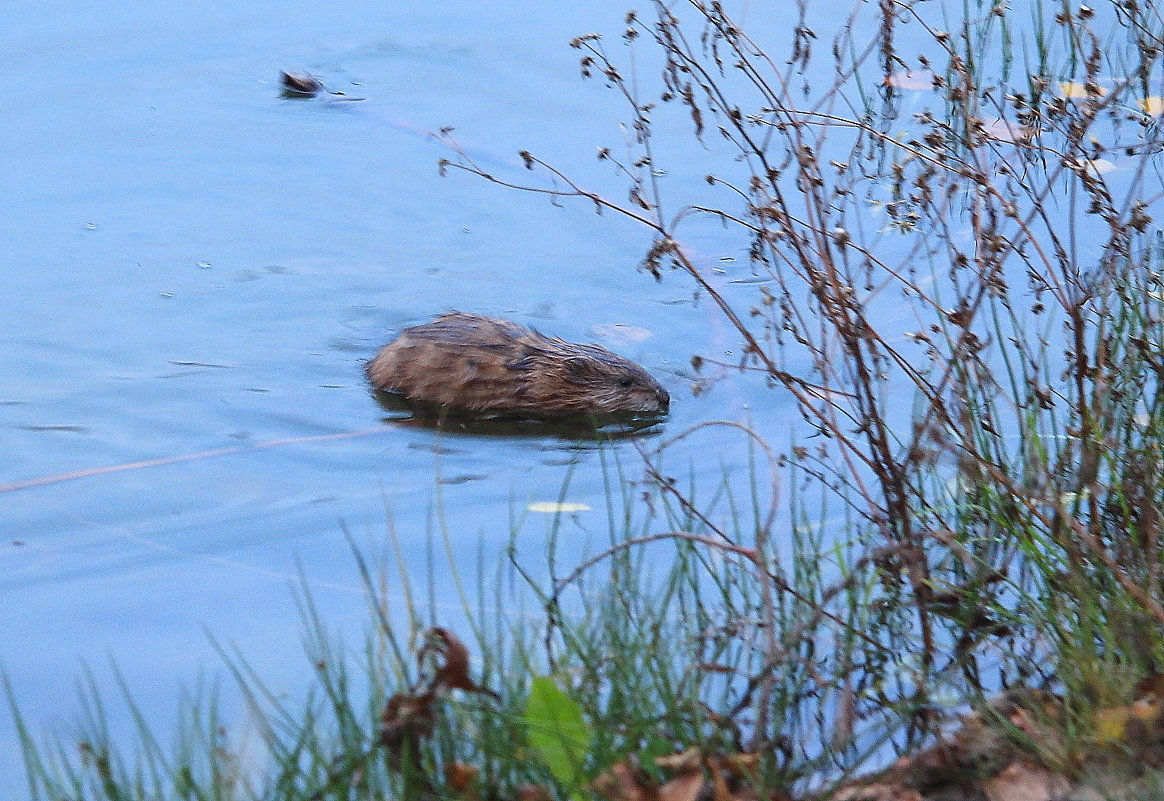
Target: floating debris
column 554, row 507
column 1008, row 131
column 303, row 85
column 1152, row 105
column 300, row 84
column 1101, row 166
column 1073, row 90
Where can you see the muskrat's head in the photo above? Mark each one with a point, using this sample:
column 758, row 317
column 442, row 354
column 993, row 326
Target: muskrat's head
column 589, row 379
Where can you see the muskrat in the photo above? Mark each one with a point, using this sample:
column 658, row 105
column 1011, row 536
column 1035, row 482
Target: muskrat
column 471, row 363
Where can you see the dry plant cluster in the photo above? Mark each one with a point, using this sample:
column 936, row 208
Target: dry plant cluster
column 996, row 192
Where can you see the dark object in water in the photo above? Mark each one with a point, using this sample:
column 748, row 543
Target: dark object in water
column 484, row 365
column 300, row 84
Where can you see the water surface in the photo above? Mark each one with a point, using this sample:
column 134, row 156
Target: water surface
column 194, row 267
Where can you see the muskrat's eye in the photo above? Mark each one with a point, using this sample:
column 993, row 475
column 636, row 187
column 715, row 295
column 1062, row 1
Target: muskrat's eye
column 625, row 383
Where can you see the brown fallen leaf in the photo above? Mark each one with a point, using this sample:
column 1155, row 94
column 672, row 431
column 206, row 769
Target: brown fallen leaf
column 1023, row 781
column 1153, row 684
column 462, row 779
column 877, row 792
column 683, row 762
column 534, row 792
column 719, row 783
column 453, row 672
column 685, row 787
column 743, row 764
column 406, row 721
column 621, row 782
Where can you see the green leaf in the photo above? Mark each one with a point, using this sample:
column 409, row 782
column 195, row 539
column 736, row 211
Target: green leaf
column 557, row 731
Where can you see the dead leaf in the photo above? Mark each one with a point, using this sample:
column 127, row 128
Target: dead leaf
column 1073, row 90
column 1111, row 725
column 1152, row 105
column 462, row 779
column 877, row 792
column 453, row 673
column 1153, row 684
column 742, row 764
column 406, row 720
column 1147, row 709
column 685, row 787
column 621, row 782
column 534, row 792
column 1007, row 131
column 1023, row 781
column 719, row 782
column 683, row 762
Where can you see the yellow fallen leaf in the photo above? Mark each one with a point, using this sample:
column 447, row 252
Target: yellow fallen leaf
column 1111, row 724
column 1152, row 105
column 555, row 507
column 1073, row 90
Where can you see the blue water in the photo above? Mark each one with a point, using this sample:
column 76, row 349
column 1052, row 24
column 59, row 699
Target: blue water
column 192, row 266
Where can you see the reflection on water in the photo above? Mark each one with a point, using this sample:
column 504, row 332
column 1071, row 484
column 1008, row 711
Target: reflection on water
column 579, row 428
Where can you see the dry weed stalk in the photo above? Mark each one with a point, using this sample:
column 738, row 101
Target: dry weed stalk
column 1029, row 272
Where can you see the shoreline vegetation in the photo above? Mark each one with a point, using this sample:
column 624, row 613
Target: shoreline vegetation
column 950, row 585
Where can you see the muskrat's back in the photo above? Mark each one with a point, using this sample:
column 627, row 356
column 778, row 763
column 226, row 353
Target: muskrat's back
column 468, row 362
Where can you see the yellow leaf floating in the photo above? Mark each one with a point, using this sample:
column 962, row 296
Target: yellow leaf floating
column 1152, row 105
column 554, row 507
column 1073, row 90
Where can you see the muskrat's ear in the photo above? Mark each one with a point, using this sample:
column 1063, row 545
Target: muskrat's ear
column 580, row 371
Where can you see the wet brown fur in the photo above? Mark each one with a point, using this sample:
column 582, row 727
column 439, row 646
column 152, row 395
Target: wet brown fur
column 471, row 363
